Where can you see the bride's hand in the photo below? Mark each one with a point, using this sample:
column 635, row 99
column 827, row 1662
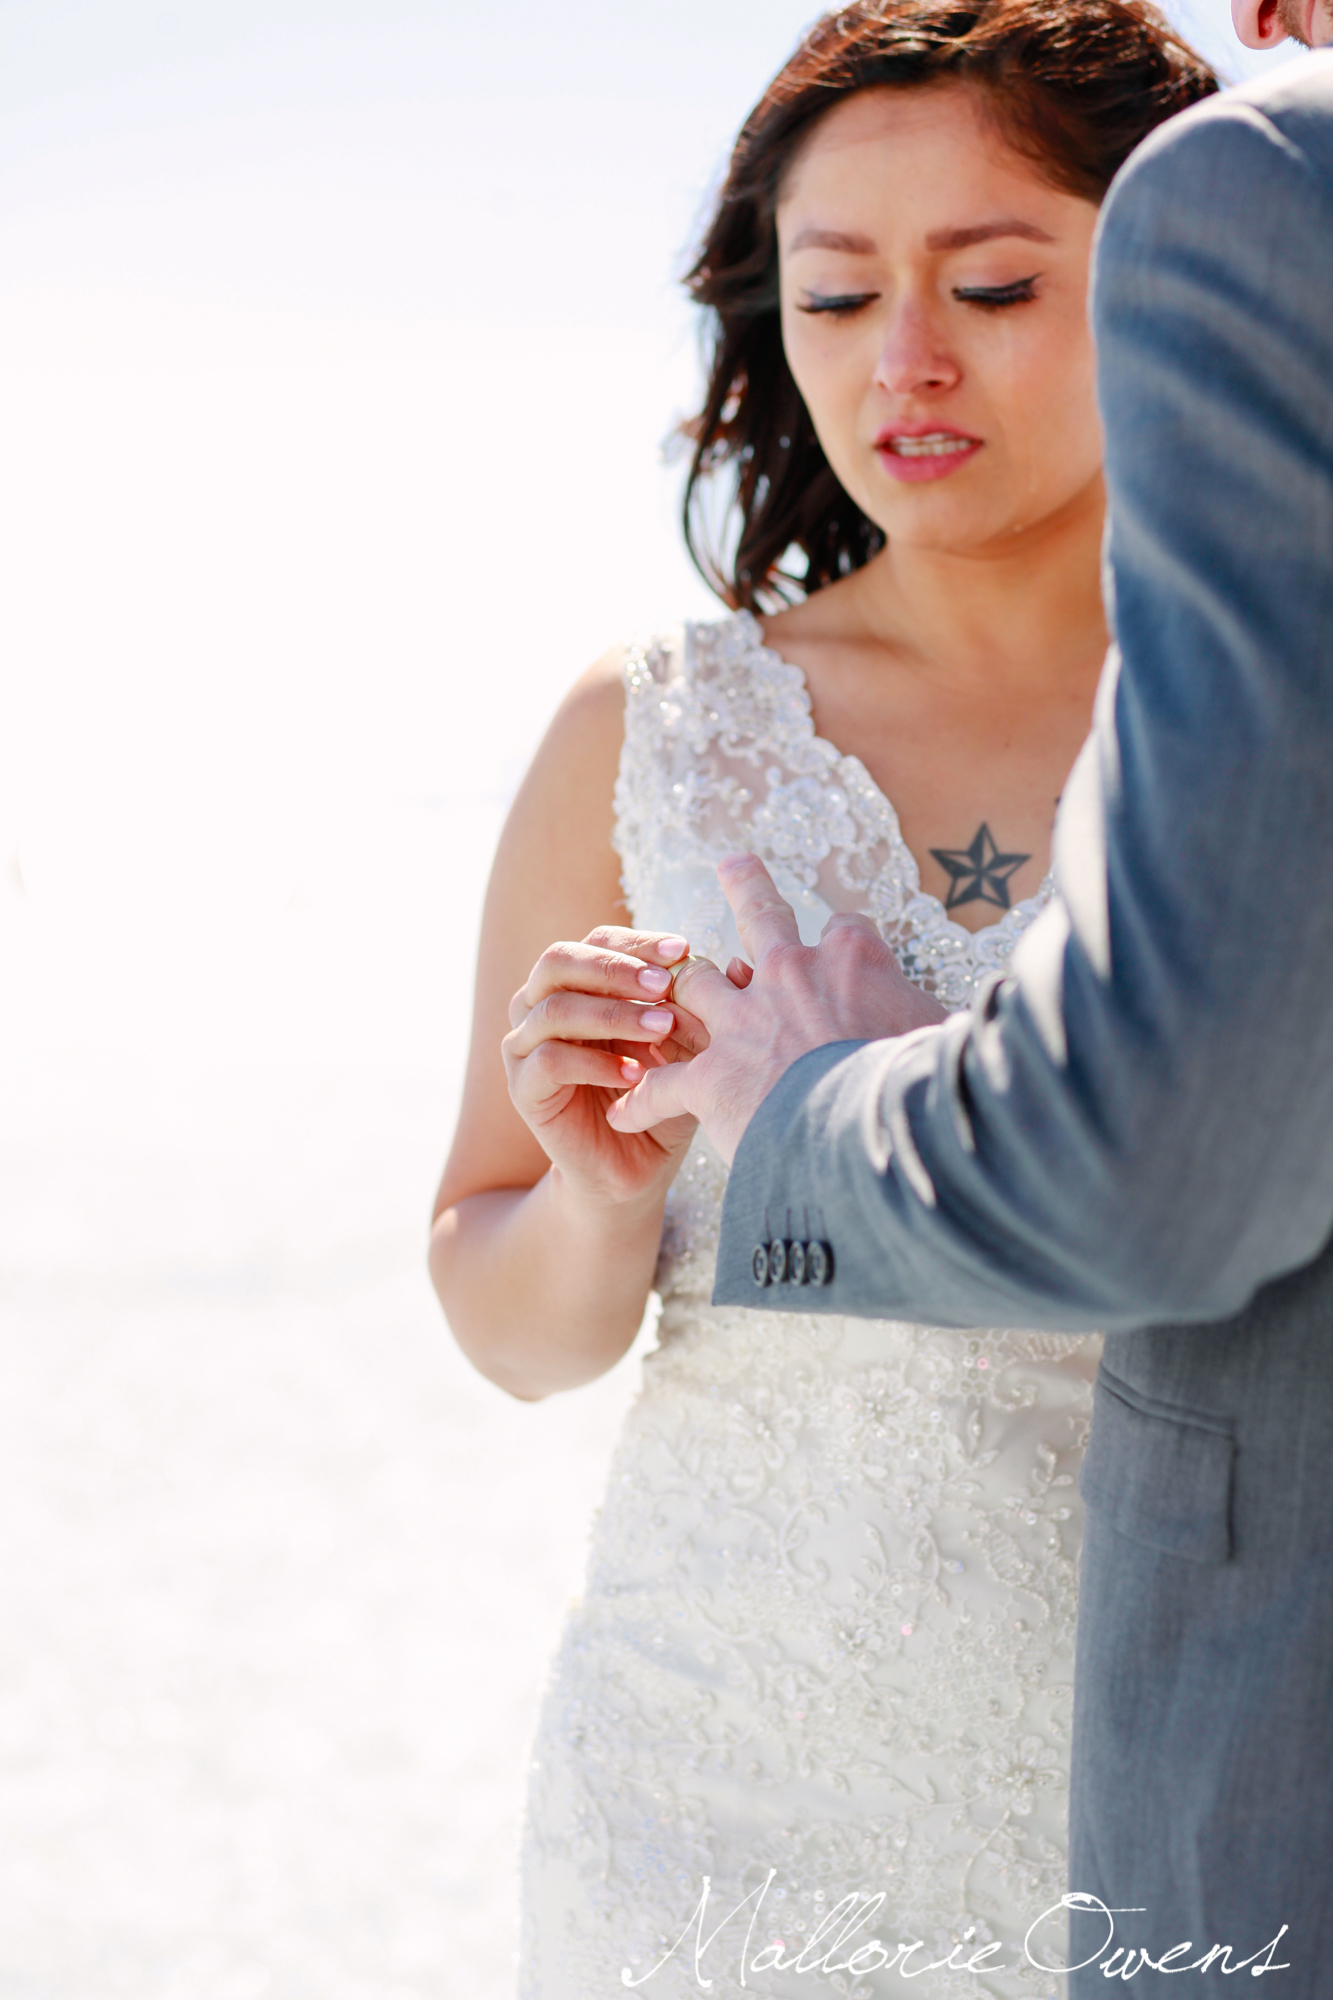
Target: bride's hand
column 590, row 1022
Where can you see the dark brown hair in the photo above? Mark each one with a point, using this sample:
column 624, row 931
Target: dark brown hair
column 1071, row 85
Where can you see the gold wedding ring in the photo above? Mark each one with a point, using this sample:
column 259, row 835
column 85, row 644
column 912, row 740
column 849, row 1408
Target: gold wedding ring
column 684, row 966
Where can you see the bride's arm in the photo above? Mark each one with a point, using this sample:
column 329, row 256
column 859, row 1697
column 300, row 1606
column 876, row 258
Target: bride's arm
column 544, row 1270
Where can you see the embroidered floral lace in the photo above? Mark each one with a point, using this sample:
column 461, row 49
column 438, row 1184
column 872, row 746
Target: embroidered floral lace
column 827, row 1629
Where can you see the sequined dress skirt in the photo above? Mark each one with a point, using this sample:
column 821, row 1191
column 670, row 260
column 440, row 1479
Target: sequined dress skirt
column 822, row 1667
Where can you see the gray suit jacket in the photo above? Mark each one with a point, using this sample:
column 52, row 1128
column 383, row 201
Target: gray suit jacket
column 1135, row 1129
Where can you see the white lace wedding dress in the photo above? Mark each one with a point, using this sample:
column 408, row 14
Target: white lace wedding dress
column 828, row 1622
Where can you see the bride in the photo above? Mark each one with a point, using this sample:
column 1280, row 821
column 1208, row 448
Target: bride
column 810, row 1719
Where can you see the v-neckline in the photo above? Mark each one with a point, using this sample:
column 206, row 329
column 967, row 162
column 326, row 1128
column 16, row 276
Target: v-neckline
column 900, row 857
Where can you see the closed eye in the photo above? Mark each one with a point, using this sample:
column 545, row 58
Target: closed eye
column 991, row 298
column 841, row 304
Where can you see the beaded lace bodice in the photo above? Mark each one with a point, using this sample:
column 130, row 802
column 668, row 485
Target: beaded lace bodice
column 827, row 1628
column 721, row 753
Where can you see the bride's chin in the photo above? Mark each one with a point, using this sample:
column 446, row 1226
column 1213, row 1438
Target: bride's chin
column 934, row 517
column 965, row 525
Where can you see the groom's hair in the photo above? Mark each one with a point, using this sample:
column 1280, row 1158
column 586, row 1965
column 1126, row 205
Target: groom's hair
column 1071, row 85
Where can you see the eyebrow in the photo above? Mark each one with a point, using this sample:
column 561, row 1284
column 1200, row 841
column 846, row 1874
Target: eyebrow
column 939, row 239
column 832, row 239
column 986, row 232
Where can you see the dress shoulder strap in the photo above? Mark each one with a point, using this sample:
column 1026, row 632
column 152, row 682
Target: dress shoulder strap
column 719, row 753
column 713, row 721
column 657, row 673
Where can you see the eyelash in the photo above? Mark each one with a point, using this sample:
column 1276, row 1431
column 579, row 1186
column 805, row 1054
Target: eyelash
column 841, row 304
column 992, row 298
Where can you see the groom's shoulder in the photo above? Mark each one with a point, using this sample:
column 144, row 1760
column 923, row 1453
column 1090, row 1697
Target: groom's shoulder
column 1295, row 103
column 1227, row 156
column 1297, row 98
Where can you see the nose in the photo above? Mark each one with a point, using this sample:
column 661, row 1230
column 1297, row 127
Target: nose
column 913, row 360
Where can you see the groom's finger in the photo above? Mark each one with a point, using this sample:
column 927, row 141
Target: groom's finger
column 763, row 918
column 699, row 987
column 661, row 1095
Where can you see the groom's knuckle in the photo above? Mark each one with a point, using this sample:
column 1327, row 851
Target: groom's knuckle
column 855, row 944
column 786, row 960
column 763, row 900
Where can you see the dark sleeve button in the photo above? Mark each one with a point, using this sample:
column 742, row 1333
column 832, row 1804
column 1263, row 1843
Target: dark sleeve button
column 819, row 1263
column 796, row 1263
column 777, row 1262
column 759, row 1263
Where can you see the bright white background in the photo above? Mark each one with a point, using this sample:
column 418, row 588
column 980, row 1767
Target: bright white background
column 337, row 344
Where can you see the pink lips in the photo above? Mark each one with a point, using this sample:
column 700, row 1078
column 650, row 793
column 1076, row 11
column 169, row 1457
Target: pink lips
column 914, row 453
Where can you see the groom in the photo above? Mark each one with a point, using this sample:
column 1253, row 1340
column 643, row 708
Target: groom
column 1134, row 1130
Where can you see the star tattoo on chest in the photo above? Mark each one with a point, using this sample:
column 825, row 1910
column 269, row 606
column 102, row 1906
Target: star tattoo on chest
column 979, row 873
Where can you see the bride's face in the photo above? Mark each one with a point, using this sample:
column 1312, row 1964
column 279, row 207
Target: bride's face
column 934, row 316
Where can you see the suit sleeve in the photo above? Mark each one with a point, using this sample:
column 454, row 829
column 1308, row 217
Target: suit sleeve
column 1136, row 1123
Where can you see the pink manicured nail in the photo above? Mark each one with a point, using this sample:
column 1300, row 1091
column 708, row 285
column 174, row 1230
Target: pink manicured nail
column 730, row 861
column 655, row 977
column 669, row 949
column 654, row 1018
column 630, row 1070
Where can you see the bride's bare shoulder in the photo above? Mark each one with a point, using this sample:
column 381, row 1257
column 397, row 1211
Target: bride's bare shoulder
column 573, row 772
column 555, row 859
column 591, row 717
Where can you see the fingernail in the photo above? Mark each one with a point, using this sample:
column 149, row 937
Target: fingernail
column 670, row 949
column 630, row 1070
column 654, row 1018
column 655, row 977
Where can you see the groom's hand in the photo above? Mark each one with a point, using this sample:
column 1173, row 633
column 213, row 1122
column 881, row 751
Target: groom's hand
column 848, row 987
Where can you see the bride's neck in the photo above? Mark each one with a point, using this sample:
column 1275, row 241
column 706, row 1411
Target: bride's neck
column 1016, row 611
